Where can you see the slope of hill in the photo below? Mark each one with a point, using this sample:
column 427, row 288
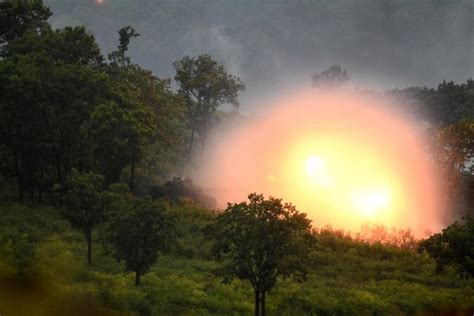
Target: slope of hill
column 42, row 260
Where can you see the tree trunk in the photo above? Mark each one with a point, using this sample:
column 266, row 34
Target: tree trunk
column 203, row 145
column 191, row 143
column 131, row 182
column 257, row 302
column 137, row 278
column 32, row 190
column 40, row 185
column 59, row 173
column 89, row 248
column 20, row 188
column 262, row 304
column 19, row 176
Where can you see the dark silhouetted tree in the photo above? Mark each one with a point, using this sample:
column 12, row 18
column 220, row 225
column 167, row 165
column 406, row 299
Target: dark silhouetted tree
column 118, row 57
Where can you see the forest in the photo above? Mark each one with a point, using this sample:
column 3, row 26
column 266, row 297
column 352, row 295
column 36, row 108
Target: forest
column 98, row 217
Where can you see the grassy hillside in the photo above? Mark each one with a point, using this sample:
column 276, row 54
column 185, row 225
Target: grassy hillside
column 42, row 263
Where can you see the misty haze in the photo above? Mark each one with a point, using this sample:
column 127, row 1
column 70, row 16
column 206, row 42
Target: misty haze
column 273, row 44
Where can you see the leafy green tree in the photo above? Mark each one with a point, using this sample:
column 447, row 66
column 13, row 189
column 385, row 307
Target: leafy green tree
column 84, row 204
column 453, row 246
column 137, row 231
column 49, row 85
column 259, row 241
column 205, row 85
column 157, row 110
column 20, row 16
column 62, row 107
column 162, row 153
column 116, row 135
column 334, row 76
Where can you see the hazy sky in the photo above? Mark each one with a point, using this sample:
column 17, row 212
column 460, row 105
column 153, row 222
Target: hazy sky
column 275, row 44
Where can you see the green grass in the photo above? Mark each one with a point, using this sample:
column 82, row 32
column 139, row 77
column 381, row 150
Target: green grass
column 346, row 277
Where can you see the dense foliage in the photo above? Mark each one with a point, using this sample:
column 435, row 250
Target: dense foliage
column 447, row 104
column 453, row 246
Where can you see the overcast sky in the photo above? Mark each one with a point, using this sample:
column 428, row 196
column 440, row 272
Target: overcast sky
column 274, row 44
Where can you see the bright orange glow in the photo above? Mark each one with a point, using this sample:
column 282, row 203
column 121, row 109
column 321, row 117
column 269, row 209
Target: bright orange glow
column 344, row 159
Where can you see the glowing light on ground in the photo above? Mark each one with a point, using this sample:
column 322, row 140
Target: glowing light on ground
column 371, row 203
column 344, row 159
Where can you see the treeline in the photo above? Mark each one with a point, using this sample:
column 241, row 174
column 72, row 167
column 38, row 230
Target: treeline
column 444, row 105
column 449, row 103
column 64, row 105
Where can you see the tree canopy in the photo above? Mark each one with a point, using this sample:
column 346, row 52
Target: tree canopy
column 205, row 85
column 84, row 204
column 453, row 246
column 259, row 241
column 137, row 232
column 21, row 16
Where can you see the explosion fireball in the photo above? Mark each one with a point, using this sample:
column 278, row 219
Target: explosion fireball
column 345, row 159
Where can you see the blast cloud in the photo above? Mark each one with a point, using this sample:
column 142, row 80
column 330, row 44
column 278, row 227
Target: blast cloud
column 344, row 158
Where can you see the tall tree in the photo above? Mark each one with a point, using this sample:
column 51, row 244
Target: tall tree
column 157, row 110
column 116, row 134
column 453, row 154
column 49, row 85
column 119, row 57
column 137, row 231
column 205, row 85
column 84, row 204
column 20, row 16
column 259, row 241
